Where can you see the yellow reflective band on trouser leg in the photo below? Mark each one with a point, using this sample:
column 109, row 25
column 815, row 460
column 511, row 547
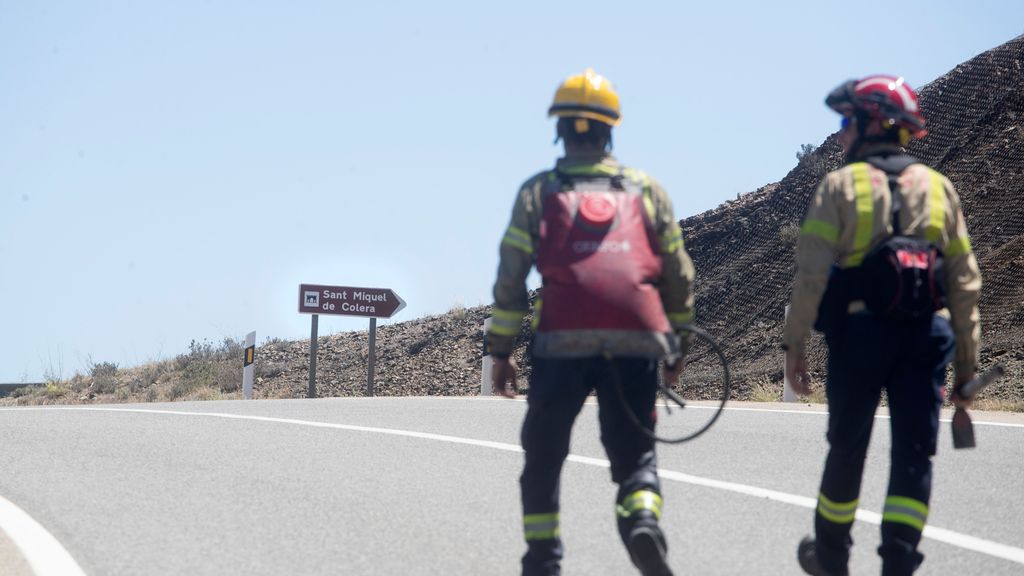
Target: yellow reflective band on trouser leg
column 865, row 213
column 903, row 510
column 837, row 512
column 640, row 500
column 936, row 209
column 540, row 526
column 506, row 322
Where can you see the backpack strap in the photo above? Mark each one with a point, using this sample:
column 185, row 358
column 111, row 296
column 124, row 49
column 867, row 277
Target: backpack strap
column 557, row 180
column 893, row 165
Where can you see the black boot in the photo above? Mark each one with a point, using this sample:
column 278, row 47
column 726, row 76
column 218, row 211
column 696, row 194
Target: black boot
column 807, row 555
column 647, row 549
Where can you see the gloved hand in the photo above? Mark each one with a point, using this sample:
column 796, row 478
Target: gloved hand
column 674, row 370
column 958, row 400
column 503, row 377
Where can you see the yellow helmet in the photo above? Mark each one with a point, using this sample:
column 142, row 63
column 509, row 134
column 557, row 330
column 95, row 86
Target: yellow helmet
column 587, row 95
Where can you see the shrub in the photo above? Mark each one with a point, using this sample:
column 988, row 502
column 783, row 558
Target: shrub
column 103, row 369
column 104, row 385
column 178, row 389
column 78, row 383
column 809, row 159
column 148, row 376
column 196, row 375
column 228, row 376
column 204, row 351
column 805, row 151
column 54, row 389
column 24, row 391
column 104, row 377
column 230, row 349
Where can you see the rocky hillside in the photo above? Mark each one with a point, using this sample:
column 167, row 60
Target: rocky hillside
column 743, row 251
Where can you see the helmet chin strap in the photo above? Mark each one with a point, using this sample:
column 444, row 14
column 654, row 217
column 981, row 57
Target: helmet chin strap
column 863, row 120
column 860, row 143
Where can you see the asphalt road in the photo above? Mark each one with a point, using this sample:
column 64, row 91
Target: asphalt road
column 429, row 486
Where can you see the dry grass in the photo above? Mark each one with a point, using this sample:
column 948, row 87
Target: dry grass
column 764, row 390
column 207, row 372
column 999, row 405
column 817, row 395
column 458, row 310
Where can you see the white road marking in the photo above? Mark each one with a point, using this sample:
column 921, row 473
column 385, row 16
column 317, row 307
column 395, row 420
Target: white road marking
column 814, row 412
column 44, row 554
column 825, row 413
column 950, row 537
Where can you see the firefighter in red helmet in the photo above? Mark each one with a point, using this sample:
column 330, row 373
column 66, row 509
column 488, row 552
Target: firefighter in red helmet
column 885, row 270
column 616, row 288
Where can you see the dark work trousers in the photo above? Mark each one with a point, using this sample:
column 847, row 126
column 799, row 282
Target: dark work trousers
column 558, row 389
column 908, row 359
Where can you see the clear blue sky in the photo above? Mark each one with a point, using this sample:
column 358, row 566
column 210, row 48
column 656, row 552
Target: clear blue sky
column 173, row 171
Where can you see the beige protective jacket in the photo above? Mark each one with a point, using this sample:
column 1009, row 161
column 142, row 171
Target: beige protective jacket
column 850, row 214
column 518, row 246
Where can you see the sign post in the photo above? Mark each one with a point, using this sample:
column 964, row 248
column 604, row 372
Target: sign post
column 370, row 303
column 311, row 391
column 247, row 365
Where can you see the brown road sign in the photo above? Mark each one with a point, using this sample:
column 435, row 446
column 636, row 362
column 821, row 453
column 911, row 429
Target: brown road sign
column 349, row 301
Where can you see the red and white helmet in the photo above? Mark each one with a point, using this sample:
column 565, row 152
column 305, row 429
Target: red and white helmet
column 880, row 97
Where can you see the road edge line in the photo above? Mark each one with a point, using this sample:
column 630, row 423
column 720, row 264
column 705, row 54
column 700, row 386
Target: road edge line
column 41, row 550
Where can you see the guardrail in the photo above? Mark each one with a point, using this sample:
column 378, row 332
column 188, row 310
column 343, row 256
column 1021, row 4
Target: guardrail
column 6, row 389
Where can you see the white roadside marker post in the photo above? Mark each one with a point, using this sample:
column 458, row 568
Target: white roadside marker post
column 488, row 364
column 788, row 395
column 247, row 365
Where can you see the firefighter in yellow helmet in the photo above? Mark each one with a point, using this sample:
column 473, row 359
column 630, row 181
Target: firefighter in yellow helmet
column 616, row 289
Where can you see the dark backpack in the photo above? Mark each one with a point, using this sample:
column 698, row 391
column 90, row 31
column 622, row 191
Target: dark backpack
column 903, row 276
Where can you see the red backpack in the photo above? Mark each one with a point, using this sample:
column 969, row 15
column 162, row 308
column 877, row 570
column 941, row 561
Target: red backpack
column 903, row 276
column 599, row 257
